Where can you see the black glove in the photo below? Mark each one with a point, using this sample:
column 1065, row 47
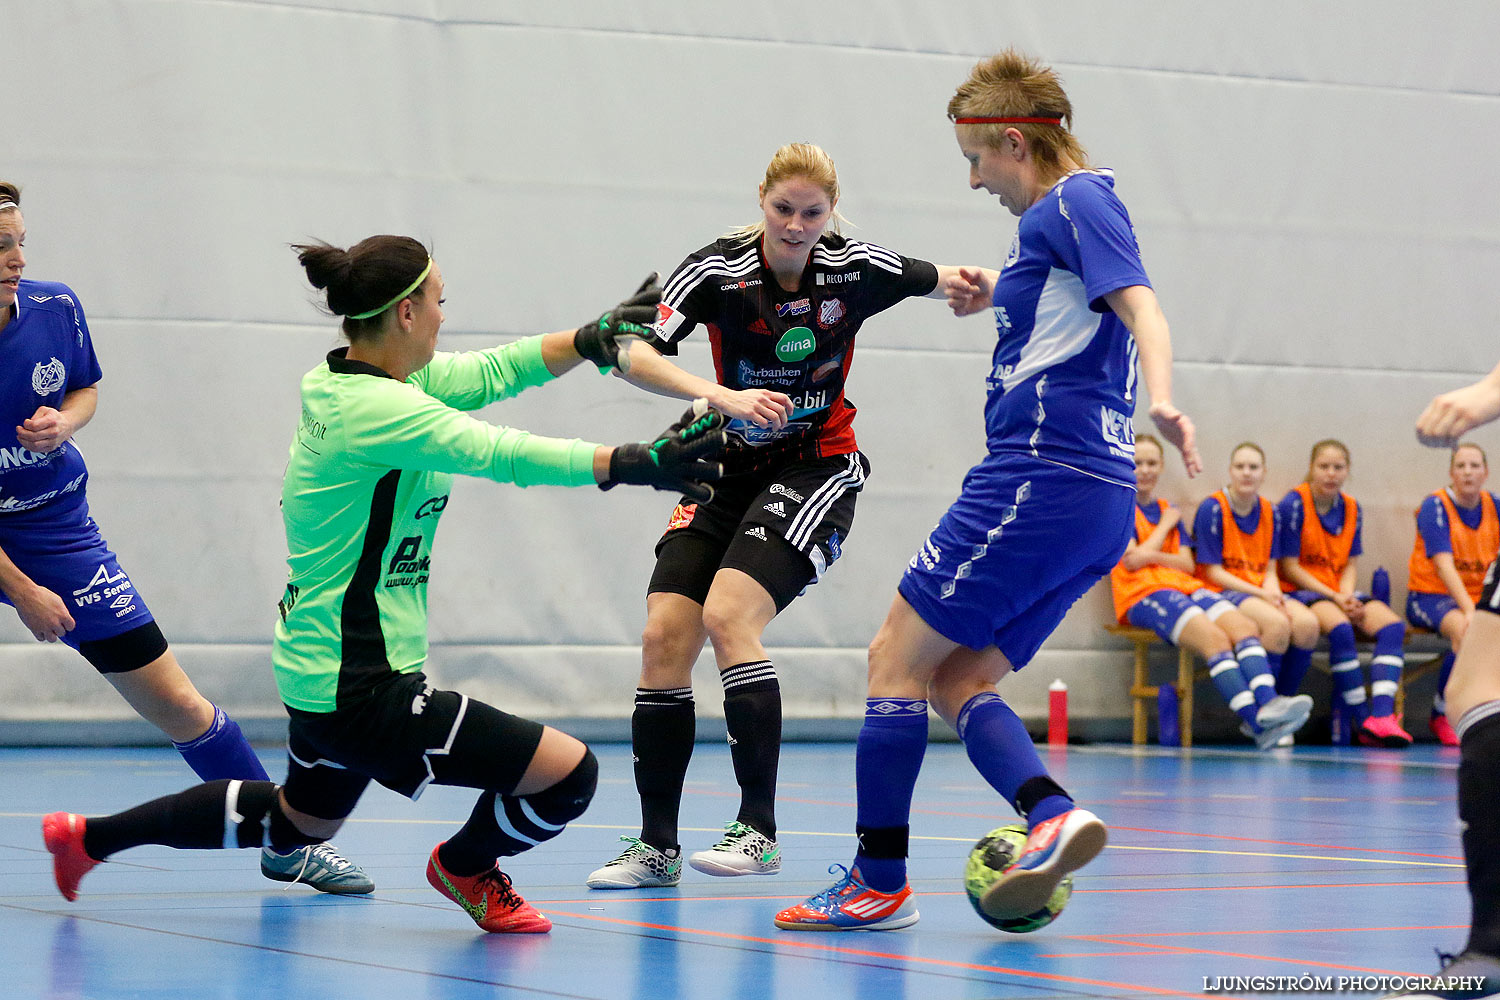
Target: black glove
column 680, row 459
column 606, row 341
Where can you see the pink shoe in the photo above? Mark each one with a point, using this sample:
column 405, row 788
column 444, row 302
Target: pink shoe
column 63, row 835
column 1054, row 848
column 1443, row 730
column 1383, row 731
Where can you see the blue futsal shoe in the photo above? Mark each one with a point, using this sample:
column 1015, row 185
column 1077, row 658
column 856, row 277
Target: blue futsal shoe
column 850, row 905
column 320, row 866
column 1054, row 849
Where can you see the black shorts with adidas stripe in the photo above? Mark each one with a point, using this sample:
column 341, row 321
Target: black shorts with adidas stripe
column 782, row 527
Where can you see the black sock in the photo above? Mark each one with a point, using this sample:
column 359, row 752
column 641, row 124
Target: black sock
column 662, row 730
column 504, row 825
column 752, row 712
column 1479, row 809
column 194, row 819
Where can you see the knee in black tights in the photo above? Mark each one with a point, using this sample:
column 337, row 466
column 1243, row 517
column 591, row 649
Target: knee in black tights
column 566, row 800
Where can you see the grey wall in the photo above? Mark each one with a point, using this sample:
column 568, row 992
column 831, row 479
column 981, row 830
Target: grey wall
column 1312, row 192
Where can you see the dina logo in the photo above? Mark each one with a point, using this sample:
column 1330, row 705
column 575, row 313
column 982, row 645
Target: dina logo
column 48, row 378
column 796, row 344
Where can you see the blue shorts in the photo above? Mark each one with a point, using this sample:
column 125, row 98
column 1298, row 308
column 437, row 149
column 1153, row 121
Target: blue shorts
column 1308, row 598
column 1235, row 597
column 64, row 552
column 1428, row 610
column 1022, row 542
column 1165, row 612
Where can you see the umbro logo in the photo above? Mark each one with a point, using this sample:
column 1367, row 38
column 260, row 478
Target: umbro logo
column 778, row 508
column 757, row 532
column 40, row 298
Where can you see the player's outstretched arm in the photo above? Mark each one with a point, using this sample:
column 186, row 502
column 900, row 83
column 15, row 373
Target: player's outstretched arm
column 683, row 458
column 968, row 290
column 605, row 341
column 1449, row 416
column 1138, row 309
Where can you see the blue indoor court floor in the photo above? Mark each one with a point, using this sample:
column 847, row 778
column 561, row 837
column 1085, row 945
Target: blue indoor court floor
column 1316, row 862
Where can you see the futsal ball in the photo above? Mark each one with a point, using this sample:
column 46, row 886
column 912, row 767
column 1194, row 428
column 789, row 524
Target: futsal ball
column 995, row 852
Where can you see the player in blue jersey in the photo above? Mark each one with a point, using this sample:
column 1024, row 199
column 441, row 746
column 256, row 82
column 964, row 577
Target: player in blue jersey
column 1473, row 703
column 58, row 572
column 1043, row 515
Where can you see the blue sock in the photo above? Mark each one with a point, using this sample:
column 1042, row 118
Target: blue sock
column 999, row 746
column 887, row 757
column 1439, row 703
column 1385, row 669
column 1294, row 664
column 1224, row 671
column 1255, row 666
column 222, row 752
column 1343, row 660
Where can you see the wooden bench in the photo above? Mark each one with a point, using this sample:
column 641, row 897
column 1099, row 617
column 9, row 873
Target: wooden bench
column 1143, row 695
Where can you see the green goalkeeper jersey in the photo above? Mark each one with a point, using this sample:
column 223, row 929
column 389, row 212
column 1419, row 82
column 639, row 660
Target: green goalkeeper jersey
column 369, row 474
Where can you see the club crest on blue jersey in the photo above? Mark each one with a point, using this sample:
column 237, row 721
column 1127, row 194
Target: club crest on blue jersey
column 48, row 378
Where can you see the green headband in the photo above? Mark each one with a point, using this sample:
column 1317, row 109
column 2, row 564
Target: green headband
column 407, row 291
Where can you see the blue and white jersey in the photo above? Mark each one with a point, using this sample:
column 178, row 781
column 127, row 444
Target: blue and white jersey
column 47, row 354
column 1064, row 379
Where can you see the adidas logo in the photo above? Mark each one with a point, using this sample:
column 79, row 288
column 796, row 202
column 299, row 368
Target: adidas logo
column 757, row 532
column 778, row 508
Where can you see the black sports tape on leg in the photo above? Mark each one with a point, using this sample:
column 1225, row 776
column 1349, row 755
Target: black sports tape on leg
column 883, row 841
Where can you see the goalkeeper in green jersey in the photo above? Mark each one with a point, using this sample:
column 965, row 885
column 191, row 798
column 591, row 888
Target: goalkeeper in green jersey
column 381, row 434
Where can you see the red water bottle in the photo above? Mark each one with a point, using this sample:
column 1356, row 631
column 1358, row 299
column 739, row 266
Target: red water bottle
column 1057, row 713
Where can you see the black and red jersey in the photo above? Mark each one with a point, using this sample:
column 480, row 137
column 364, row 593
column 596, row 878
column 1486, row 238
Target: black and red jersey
column 800, row 343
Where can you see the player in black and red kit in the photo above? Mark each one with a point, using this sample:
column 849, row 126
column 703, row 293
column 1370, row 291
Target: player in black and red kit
column 782, row 301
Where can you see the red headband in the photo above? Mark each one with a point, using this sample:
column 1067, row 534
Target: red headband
column 1016, row 120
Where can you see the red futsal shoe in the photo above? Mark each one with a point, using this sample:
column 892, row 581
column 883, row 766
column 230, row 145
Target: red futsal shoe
column 63, row 835
column 1383, row 731
column 488, row 898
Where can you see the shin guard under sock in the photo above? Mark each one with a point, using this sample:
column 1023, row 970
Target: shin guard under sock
column 1294, row 664
column 887, row 758
column 217, row 814
column 662, row 730
column 752, row 714
column 1343, row 660
column 1385, row 669
column 222, row 752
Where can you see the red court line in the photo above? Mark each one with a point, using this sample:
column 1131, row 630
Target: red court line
column 924, row 895
column 1285, row 843
column 911, row 959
